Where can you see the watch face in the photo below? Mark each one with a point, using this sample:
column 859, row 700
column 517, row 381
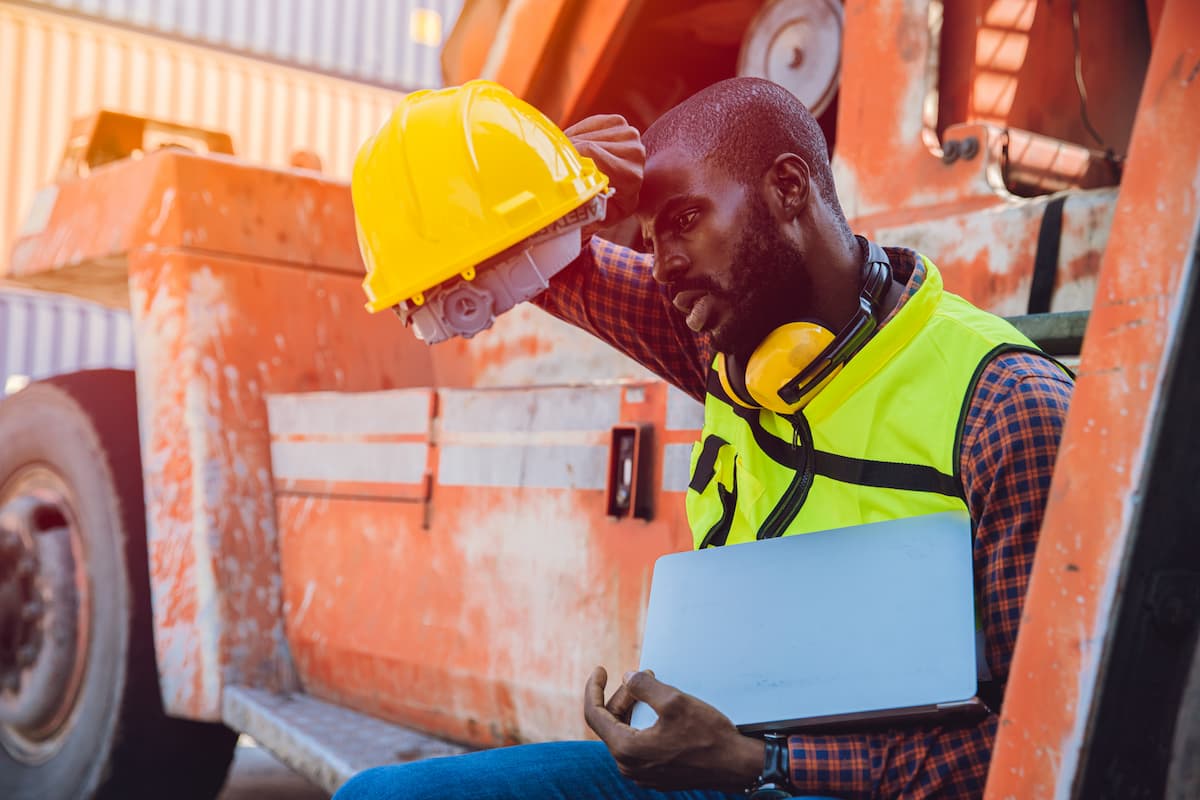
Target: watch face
column 769, row 793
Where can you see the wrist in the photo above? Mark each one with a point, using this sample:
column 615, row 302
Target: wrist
column 746, row 761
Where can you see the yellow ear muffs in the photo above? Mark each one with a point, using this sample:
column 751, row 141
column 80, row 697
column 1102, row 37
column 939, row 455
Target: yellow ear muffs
column 721, row 365
column 797, row 360
column 786, row 352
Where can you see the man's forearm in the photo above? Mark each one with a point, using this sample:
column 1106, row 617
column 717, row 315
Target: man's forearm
column 609, row 292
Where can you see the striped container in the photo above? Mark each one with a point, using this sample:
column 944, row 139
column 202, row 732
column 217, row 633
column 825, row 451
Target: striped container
column 391, row 43
column 59, row 66
column 44, row 334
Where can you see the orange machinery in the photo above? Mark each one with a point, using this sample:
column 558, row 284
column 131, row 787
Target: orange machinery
column 359, row 549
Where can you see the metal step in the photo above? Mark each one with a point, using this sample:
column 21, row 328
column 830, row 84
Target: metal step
column 1059, row 333
column 325, row 743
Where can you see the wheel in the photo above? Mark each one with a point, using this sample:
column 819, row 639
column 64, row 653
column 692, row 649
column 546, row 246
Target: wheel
column 1183, row 776
column 80, row 711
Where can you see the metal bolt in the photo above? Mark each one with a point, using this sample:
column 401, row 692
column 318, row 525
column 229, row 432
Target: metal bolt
column 950, row 151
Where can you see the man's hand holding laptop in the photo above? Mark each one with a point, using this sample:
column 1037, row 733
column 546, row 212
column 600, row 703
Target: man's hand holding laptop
column 692, row 744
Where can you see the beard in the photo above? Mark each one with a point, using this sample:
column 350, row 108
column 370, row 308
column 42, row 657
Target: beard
column 774, row 286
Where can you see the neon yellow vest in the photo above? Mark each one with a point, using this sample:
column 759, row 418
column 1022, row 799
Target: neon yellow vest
column 879, row 442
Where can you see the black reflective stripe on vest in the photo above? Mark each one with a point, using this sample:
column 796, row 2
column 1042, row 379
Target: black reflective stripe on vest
column 706, row 464
column 860, row 471
column 718, row 534
column 884, row 474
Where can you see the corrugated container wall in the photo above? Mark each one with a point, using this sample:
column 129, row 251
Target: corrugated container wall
column 50, row 334
column 394, row 43
column 57, row 67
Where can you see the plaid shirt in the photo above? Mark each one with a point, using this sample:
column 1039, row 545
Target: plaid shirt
column 1010, row 440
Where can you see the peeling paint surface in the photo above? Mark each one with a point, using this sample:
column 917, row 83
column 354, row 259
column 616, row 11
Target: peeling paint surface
column 215, row 333
column 479, row 615
column 987, row 256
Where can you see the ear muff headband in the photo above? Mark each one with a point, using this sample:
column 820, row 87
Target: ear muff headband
column 853, row 336
column 796, row 360
column 732, row 391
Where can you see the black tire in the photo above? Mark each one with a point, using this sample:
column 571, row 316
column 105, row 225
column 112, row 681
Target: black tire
column 118, row 743
column 1183, row 776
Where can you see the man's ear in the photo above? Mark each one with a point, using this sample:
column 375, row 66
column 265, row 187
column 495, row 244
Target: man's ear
column 788, row 186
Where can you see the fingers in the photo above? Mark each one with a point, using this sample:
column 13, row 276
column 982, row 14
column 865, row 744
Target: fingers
column 645, row 687
column 595, row 714
column 593, row 692
column 614, row 123
column 610, row 722
column 621, row 704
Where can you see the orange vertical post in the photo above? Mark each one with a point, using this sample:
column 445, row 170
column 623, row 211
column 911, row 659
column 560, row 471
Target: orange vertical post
column 1101, row 468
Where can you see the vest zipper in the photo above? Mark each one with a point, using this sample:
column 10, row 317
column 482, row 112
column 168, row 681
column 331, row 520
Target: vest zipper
column 796, row 493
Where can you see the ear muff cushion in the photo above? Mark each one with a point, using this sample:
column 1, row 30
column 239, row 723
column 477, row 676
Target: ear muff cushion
column 732, row 393
column 780, row 357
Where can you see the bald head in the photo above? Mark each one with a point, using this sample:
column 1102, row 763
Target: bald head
column 741, row 126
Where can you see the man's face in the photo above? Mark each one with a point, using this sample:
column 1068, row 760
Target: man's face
column 720, row 252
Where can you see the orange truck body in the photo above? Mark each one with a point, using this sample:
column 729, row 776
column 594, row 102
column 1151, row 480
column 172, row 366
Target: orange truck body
column 429, row 536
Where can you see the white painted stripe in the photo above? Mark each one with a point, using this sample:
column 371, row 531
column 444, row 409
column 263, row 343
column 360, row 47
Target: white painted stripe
column 684, row 413
column 374, row 462
column 555, row 467
column 526, row 438
column 557, row 408
column 334, row 413
column 677, row 472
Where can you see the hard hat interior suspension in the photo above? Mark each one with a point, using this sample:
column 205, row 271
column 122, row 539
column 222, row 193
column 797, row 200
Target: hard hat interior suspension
column 461, row 307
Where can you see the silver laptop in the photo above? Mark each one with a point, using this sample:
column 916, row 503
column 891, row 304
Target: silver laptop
column 870, row 623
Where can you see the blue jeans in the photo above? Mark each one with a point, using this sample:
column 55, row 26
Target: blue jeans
column 552, row 771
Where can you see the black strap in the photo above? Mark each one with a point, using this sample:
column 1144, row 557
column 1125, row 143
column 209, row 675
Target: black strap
column 706, row 464
column 884, row 474
column 1045, row 259
column 718, row 534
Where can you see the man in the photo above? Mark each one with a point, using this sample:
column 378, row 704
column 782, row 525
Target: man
column 943, row 406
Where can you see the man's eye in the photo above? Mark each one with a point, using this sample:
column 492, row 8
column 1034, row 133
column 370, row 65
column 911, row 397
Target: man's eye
column 685, row 220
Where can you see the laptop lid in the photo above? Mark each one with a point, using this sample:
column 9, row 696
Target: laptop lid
column 869, row 622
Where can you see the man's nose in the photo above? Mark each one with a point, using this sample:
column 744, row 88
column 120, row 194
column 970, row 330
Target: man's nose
column 669, row 266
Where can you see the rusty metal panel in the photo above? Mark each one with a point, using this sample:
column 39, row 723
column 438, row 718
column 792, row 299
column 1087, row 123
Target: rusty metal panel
column 987, row 255
column 44, row 334
column 1099, row 479
column 216, row 332
column 59, row 67
column 479, row 618
column 393, row 43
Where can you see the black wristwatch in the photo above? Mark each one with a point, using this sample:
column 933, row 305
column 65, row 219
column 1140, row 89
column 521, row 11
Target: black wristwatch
column 775, row 781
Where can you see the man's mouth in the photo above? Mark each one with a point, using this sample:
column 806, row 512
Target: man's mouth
column 687, row 298
column 697, row 306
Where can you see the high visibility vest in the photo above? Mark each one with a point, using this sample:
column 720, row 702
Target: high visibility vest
column 879, row 442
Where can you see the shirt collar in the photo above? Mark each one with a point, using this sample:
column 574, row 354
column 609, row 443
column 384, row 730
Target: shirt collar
column 909, row 269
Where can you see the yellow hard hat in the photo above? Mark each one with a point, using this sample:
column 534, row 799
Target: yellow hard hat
column 454, row 177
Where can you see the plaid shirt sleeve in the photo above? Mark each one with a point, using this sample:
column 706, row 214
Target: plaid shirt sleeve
column 609, row 292
column 1010, row 440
